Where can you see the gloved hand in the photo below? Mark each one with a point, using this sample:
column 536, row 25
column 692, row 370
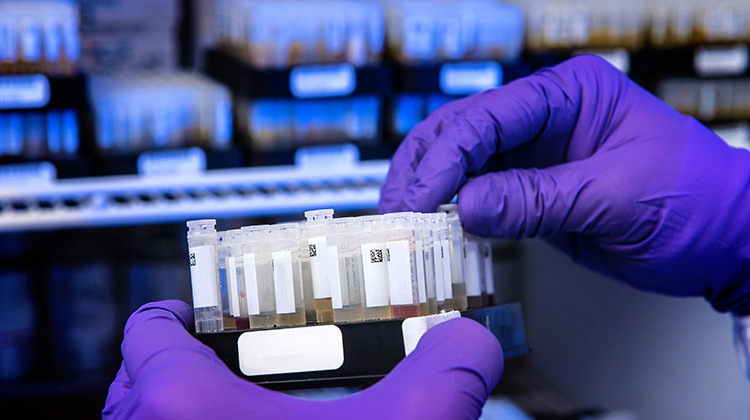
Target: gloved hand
column 166, row 373
column 610, row 174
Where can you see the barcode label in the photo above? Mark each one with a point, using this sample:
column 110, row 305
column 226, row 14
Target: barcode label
column 376, row 255
column 232, row 287
column 400, row 277
column 251, row 284
column 375, row 275
column 283, row 281
column 203, row 276
column 320, row 267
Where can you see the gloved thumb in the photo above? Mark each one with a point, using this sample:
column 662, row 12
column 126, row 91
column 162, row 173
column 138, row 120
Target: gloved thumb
column 576, row 197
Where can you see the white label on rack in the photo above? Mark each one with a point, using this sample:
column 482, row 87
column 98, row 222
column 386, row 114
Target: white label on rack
column 321, row 279
column 444, row 255
column 437, row 263
column 283, row 282
column 333, row 263
column 232, row 287
column 203, row 276
column 251, row 284
column 489, row 271
column 322, row 81
column 24, row 91
column 375, row 275
column 721, row 61
column 289, row 350
column 414, row 328
column 399, row 273
column 172, row 162
column 421, row 282
column 465, row 78
column 473, row 275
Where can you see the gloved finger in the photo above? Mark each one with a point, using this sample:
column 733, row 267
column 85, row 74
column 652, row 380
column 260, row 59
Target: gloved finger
column 576, row 197
column 119, row 387
column 543, row 109
column 449, row 375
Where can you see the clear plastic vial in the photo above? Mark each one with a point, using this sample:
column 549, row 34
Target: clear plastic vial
column 235, row 273
column 401, row 260
column 376, row 302
column 229, row 293
column 456, row 241
column 474, row 271
column 424, row 240
column 283, row 240
column 433, row 229
column 258, row 277
column 320, row 269
column 345, row 259
column 204, row 275
column 445, row 259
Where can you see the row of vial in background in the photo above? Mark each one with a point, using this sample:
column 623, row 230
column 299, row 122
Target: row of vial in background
column 325, row 270
column 284, row 33
column 39, row 134
column 44, row 36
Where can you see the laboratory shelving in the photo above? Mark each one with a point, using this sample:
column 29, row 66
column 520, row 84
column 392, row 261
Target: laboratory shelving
column 40, row 202
column 370, row 348
column 39, row 91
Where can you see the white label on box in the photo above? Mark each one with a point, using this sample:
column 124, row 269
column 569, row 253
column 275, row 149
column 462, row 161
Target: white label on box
column 333, row 261
column 421, row 282
column 251, row 284
column 203, row 276
column 473, row 275
column 375, row 275
column 283, row 282
column 414, row 328
column 172, row 162
column 400, row 277
column 322, row 81
column 318, row 250
column 232, row 287
column 721, row 61
column 444, row 250
column 289, row 350
column 465, row 78
column 24, row 91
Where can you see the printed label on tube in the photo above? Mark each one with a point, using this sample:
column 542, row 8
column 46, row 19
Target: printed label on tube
column 375, row 275
column 489, row 278
column 251, row 284
column 473, row 275
column 319, row 266
column 399, row 273
column 333, row 261
column 421, row 282
column 234, row 292
column 283, row 281
column 437, row 262
column 444, row 249
column 203, row 276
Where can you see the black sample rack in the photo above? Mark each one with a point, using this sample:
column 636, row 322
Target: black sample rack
column 370, row 349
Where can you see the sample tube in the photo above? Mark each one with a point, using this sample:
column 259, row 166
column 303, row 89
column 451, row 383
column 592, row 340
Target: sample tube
column 424, row 241
column 204, row 275
column 489, row 272
column 433, row 229
column 424, row 308
column 287, row 274
column 445, row 259
column 307, row 287
column 345, row 260
column 320, row 269
column 229, row 295
column 374, row 268
column 258, row 277
column 401, row 260
column 456, row 241
column 474, row 271
column 235, row 274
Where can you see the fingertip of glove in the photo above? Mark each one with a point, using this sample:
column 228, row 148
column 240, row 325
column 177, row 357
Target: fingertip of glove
column 181, row 311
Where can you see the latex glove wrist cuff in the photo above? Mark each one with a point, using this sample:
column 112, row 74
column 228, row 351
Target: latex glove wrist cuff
column 742, row 341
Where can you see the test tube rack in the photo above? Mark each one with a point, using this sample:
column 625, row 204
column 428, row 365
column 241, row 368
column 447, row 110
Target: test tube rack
column 368, row 350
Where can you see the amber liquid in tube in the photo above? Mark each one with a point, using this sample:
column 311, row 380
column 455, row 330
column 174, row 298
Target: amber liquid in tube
column 404, row 311
column 460, row 302
column 323, row 310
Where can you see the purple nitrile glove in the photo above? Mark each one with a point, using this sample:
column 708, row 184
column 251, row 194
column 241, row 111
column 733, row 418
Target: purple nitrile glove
column 166, row 373
column 610, row 174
